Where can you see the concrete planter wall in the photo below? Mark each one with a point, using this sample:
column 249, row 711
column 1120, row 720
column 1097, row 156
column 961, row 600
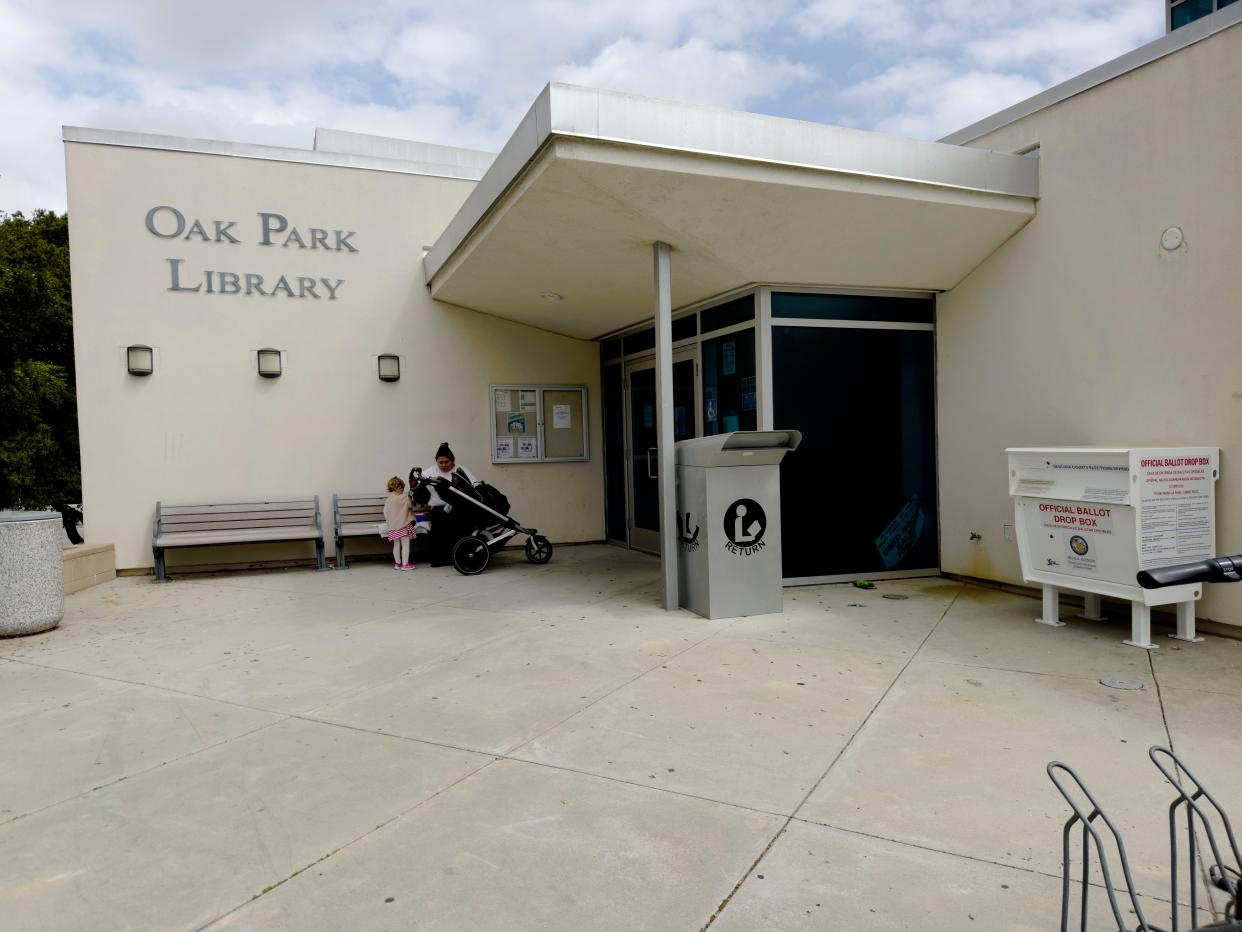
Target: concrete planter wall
column 32, row 572
column 88, row 565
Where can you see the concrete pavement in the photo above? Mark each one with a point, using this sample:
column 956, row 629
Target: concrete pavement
column 544, row 748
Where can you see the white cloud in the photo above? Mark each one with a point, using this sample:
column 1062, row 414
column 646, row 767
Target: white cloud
column 928, row 98
column 464, row 73
column 1068, row 42
column 695, row 71
column 954, row 62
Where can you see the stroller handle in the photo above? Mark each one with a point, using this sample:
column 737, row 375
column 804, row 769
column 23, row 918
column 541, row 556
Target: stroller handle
column 1215, row 570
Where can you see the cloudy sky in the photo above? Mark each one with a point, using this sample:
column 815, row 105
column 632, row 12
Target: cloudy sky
column 462, row 72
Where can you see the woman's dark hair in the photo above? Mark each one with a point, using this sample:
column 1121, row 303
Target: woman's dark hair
column 445, row 451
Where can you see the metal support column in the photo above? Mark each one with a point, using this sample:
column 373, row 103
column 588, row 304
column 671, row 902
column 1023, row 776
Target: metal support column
column 664, row 423
column 763, row 360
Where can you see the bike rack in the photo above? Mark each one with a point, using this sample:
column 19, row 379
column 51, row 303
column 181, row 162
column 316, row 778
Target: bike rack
column 1218, row 872
column 1227, row 878
column 1089, row 834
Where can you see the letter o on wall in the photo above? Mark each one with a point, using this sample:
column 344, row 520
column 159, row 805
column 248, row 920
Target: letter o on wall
column 176, row 213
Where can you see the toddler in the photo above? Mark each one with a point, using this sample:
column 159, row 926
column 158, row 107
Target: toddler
column 399, row 517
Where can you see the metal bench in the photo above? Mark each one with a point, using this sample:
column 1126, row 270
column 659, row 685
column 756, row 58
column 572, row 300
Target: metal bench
column 357, row 516
column 262, row 522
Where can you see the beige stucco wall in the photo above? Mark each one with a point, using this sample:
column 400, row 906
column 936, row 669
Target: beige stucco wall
column 1081, row 330
column 204, row 426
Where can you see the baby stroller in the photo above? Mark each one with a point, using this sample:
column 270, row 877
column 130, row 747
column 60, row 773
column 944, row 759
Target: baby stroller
column 486, row 515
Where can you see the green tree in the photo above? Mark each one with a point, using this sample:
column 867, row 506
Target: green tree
column 39, row 463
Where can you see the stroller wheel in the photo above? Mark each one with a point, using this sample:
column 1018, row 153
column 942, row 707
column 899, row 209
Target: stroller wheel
column 538, row 549
column 471, row 556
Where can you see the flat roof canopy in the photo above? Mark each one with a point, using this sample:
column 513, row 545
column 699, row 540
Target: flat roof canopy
column 592, row 178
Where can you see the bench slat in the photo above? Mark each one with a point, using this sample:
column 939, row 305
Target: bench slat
column 226, row 526
column 243, row 536
column 300, row 504
column 288, row 513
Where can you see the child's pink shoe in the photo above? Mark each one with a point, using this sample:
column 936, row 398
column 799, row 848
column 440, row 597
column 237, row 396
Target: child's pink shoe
column 398, row 566
column 408, row 566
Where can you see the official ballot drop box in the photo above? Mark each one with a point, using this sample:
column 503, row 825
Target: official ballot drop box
column 729, row 521
column 1089, row 518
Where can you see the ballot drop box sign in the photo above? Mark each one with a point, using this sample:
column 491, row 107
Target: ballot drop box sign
column 1090, row 518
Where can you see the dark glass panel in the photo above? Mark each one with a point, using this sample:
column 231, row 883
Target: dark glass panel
column 644, row 435
column 851, row 307
column 732, row 312
column 685, row 327
column 1189, row 11
column 859, row 495
column 729, row 397
column 644, row 439
column 611, row 349
column 637, row 342
column 614, row 451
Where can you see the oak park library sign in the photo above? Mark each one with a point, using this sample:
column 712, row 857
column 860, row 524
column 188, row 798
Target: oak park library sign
column 274, row 230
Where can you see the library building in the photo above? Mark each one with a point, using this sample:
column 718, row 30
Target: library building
column 627, row 273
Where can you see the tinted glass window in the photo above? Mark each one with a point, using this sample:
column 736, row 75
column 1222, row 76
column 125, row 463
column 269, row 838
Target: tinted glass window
column 685, row 327
column 729, row 399
column 611, row 349
column 614, row 451
column 637, row 342
column 859, row 495
column 851, row 307
column 1189, row 11
column 726, row 315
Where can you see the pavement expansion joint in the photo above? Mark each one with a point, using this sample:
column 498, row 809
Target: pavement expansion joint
column 840, row 753
column 144, row 770
column 339, row 848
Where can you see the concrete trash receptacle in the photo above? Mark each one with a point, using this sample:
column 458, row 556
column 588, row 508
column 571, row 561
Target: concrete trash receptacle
column 32, row 572
column 728, row 516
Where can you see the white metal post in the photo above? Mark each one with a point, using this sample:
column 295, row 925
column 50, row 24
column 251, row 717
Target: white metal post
column 1186, row 622
column 1091, row 607
column 1051, row 614
column 1140, row 626
column 763, row 358
column 664, row 422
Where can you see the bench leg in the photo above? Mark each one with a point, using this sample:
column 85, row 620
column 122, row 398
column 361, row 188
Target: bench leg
column 323, row 564
column 1186, row 622
column 1051, row 614
column 1140, row 627
column 160, row 574
column 340, row 553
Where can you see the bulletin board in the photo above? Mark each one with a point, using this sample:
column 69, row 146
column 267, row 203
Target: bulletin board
column 539, row 423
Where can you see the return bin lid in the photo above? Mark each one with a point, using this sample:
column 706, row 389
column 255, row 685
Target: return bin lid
column 738, row 448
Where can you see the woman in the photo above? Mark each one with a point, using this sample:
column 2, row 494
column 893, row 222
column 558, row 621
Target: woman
column 446, row 526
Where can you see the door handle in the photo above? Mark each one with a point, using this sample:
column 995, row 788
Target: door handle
column 650, row 473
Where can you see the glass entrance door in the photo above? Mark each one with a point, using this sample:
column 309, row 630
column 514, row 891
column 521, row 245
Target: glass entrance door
column 858, row 497
column 641, row 441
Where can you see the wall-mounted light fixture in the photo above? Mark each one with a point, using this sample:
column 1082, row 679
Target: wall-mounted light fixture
column 389, row 367
column 139, row 359
column 269, row 363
